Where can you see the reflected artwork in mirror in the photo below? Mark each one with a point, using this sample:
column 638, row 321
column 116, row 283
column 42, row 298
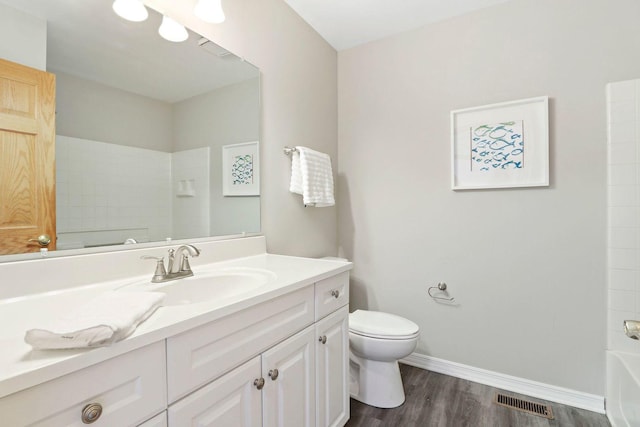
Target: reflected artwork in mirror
column 140, row 125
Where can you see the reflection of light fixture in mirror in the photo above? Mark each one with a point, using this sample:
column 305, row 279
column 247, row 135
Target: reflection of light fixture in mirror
column 131, row 10
column 172, row 31
column 209, row 11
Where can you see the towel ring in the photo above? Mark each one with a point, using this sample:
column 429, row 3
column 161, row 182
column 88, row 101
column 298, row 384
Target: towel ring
column 441, row 287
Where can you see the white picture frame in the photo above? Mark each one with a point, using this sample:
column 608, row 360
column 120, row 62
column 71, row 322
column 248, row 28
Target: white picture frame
column 501, row 145
column 241, row 169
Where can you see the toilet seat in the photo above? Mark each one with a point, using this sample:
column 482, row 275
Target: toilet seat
column 376, row 324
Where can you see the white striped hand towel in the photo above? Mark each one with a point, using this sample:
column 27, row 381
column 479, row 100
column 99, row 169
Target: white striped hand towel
column 312, row 177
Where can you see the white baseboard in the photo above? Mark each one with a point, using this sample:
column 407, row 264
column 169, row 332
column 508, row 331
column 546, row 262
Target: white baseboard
column 578, row 399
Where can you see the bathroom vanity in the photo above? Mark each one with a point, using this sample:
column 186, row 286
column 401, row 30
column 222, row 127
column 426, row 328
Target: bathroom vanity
column 275, row 354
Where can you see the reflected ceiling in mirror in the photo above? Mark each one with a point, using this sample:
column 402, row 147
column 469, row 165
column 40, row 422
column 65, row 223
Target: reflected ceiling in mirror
column 140, row 124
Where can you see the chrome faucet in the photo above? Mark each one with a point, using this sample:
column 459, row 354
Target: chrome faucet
column 183, row 259
column 175, row 270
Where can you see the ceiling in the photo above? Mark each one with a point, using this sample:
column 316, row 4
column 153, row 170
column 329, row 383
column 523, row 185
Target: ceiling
column 348, row 23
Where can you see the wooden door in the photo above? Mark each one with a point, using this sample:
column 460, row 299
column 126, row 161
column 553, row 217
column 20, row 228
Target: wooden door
column 332, row 364
column 288, row 369
column 27, row 158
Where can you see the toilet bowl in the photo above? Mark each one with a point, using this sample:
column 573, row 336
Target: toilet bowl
column 376, row 341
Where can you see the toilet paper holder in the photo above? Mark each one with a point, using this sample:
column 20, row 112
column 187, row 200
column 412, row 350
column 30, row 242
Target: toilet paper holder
column 441, row 287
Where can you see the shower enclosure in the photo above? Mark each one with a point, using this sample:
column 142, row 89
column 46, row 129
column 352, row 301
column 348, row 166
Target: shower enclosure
column 623, row 230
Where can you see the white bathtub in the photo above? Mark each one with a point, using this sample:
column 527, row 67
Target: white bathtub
column 623, row 389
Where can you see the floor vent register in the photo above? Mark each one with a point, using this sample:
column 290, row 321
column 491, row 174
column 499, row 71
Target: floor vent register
column 523, row 405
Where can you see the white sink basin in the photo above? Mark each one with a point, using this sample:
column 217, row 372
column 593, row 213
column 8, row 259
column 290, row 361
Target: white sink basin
column 206, row 286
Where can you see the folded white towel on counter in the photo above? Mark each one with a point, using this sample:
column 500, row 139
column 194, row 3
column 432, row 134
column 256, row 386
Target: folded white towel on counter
column 312, row 177
column 110, row 317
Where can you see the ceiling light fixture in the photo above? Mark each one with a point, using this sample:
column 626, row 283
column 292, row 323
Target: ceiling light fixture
column 209, row 11
column 131, row 10
column 172, row 31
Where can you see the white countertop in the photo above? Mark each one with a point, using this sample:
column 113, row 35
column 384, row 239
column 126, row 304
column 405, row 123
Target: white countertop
column 21, row 367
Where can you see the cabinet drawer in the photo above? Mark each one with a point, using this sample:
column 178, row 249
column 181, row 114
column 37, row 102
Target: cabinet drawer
column 129, row 388
column 200, row 355
column 331, row 294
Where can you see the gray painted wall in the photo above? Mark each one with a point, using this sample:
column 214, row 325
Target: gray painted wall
column 90, row 110
column 526, row 266
column 27, row 35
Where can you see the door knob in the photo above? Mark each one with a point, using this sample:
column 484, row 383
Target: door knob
column 43, row 240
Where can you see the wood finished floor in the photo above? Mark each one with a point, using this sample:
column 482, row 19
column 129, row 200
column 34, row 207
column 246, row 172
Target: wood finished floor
column 439, row 400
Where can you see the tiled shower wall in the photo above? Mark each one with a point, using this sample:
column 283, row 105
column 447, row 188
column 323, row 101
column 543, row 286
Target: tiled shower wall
column 191, row 194
column 623, row 110
column 107, row 193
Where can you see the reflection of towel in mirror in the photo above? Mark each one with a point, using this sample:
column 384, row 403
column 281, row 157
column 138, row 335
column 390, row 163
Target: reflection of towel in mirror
column 110, row 317
column 312, row 177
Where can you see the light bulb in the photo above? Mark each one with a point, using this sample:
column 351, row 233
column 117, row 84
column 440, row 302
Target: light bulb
column 209, row 11
column 131, row 10
column 172, row 31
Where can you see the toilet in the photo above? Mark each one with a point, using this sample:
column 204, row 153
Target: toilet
column 377, row 341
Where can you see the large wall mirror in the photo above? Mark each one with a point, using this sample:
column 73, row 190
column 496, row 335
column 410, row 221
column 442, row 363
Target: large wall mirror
column 143, row 128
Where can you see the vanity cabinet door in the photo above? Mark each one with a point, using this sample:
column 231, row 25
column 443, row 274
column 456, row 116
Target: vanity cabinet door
column 233, row 400
column 332, row 364
column 289, row 373
column 159, row 420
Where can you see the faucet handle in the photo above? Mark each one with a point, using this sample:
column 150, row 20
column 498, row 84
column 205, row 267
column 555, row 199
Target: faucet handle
column 185, row 263
column 161, row 273
column 152, row 257
column 171, row 260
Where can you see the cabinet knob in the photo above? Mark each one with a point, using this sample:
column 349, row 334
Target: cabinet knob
column 335, row 293
column 91, row 413
column 259, row 383
column 273, row 374
column 322, row 339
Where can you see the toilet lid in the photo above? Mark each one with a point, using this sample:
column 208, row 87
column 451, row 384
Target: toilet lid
column 377, row 324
